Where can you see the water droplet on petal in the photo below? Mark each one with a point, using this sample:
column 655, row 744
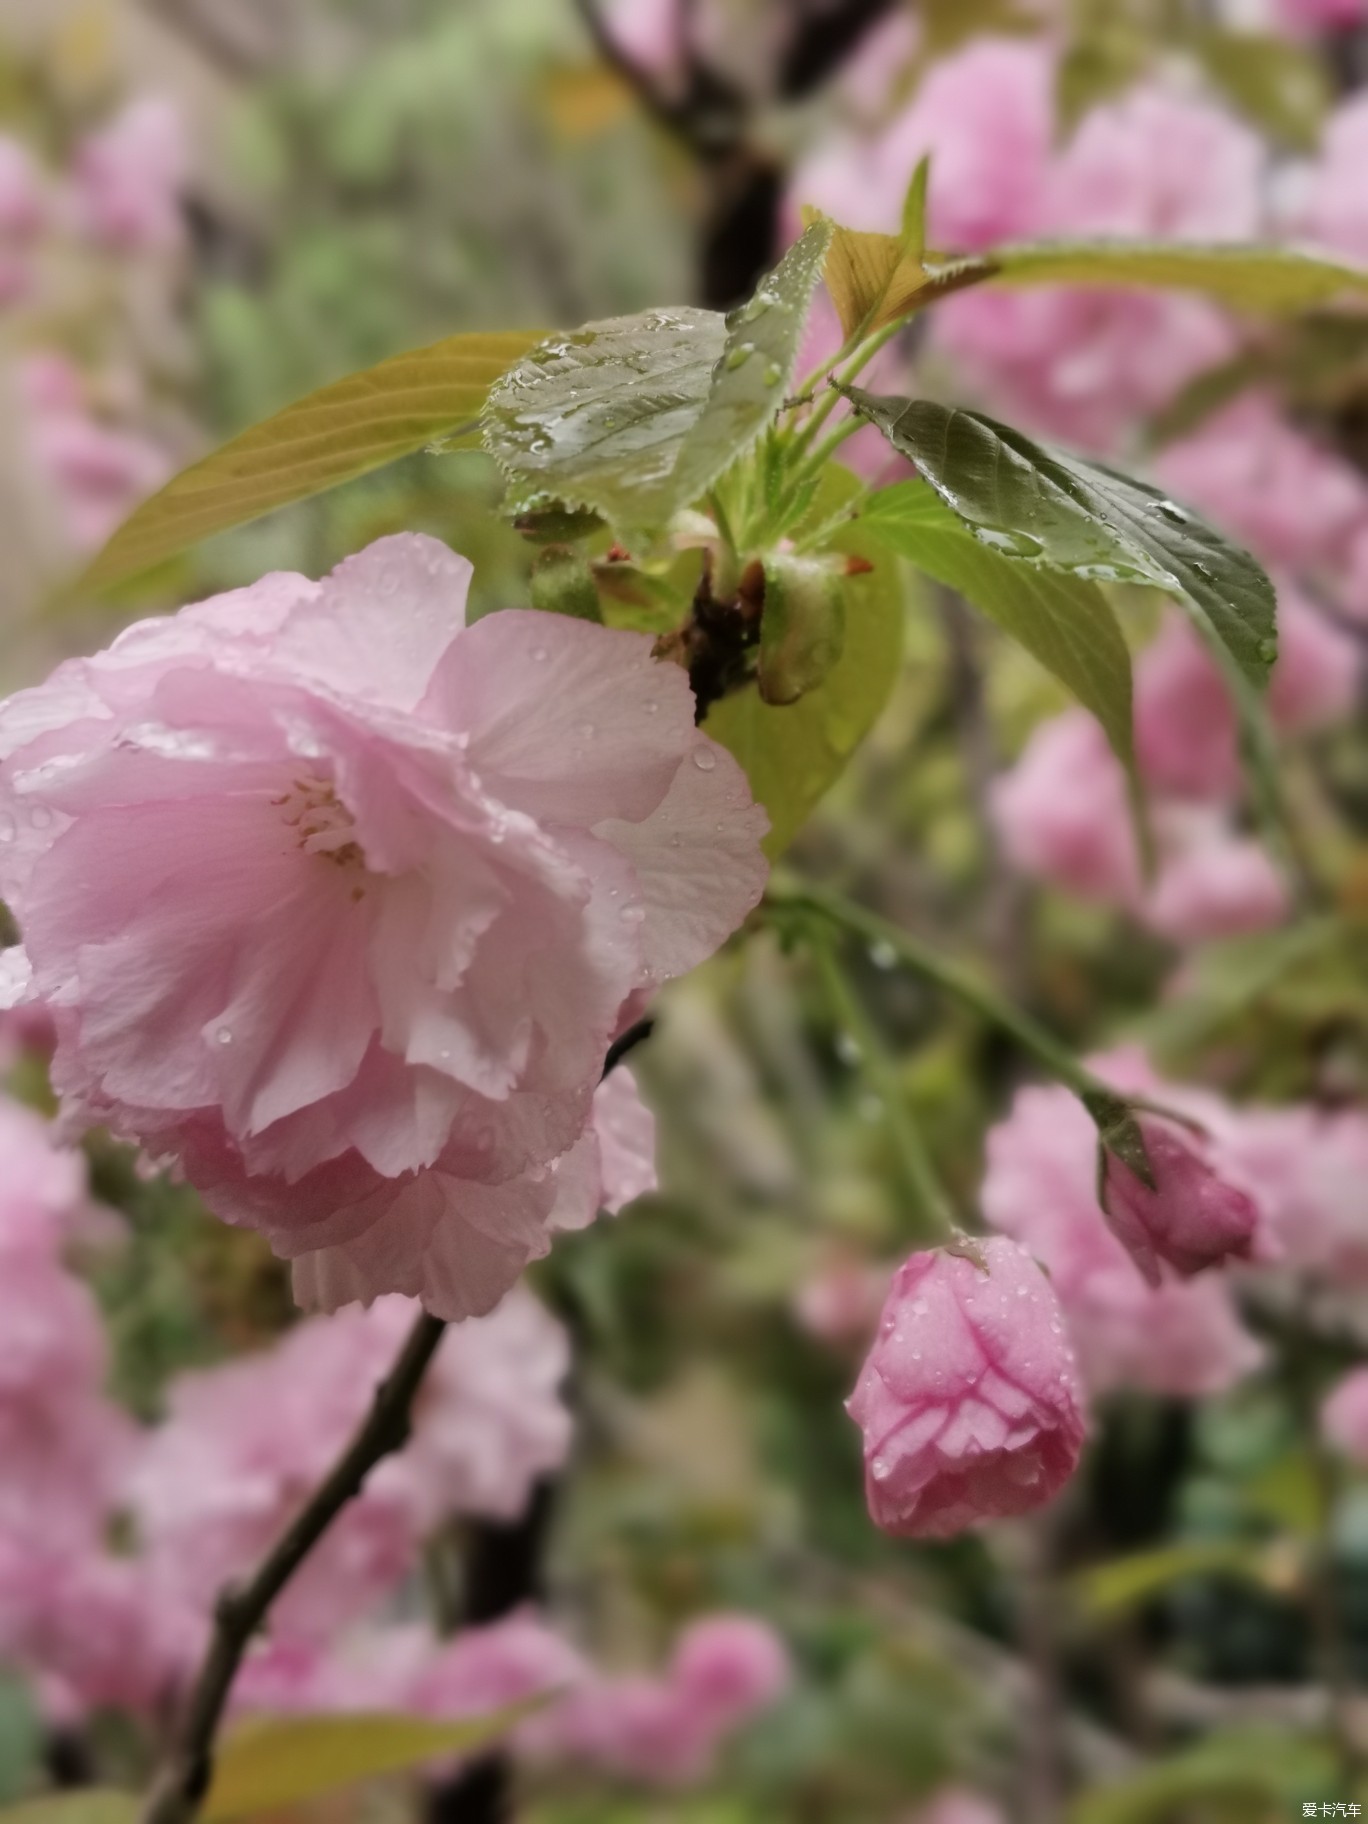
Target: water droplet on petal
column 538, row 654
column 224, row 1035
column 704, row 759
column 633, row 915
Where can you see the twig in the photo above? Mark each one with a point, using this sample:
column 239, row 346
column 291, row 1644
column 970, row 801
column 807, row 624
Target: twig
column 180, row 1788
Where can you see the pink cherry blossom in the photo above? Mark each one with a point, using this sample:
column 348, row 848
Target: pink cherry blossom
column 969, row 1401
column 245, row 1443
column 374, row 891
column 1333, row 209
column 1192, row 1218
column 986, row 113
column 1344, row 1416
column 1319, row 667
column 986, row 116
column 840, row 1302
column 1293, row 503
column 1305, row 1166
column 487, row 1668
column 730, row 1667
column 1321, row 15
column 1087, row 363
column 97, row 472
column 242, row 1448
column 1185, row 732
column 1211, row 882
column 958, row 1805
column 128, row 178
column 1181, row 1340
column 1062, row 813
column 23, row 213
column 489, row 1419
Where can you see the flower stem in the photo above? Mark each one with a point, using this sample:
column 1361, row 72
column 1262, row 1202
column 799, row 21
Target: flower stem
column 914, row 1156
column 953, row 977
column 180, row 1787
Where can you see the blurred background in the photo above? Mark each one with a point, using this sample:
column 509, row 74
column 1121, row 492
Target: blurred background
column 210, row 207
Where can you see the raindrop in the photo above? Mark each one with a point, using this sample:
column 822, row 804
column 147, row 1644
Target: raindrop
column 1268, row 651
column 586, row 731
column 633, row 915
column 738, row 357
column 883, row 955
column 538, row 654
column 651, row 706
column 704, row 759
column 224, row 1036
column 1170, row 510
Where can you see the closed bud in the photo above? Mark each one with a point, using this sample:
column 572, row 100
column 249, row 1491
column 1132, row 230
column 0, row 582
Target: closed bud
column 1189, row 1217
column 969, row 1401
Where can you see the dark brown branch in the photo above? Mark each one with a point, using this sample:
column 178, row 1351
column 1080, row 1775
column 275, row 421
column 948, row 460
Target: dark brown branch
column 180, row 1788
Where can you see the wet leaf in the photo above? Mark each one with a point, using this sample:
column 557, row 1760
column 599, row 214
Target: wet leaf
column 1040, row 505
column 595, row 420
column 1066, row 622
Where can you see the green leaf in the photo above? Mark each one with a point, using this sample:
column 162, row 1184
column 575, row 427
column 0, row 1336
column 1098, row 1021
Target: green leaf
column 1270, row 279
column 794, row 754
column 802, row 627
column 596, row 420
column 914, row 209
column 638, row 416
column 1066, row 622
column 1040, row 505
column 341, row 431
column 89, row 1805
column 266, row 1765
column 755, row 371
column 1246, row 1776
column 1110, row 1589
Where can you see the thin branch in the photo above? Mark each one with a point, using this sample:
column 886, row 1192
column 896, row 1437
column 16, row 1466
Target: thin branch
column 180, row 1789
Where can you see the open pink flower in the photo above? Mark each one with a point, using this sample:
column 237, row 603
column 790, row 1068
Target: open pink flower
column 489, row 1419
column 969, row 1401
column 1062, row 812
column 1181, row 1339
column 731, row 1667
column 1292, row 502
column 340, row 902
column 1193, row 1218
column 128, row 178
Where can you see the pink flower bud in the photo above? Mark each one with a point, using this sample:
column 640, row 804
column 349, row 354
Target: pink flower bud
column 969, row 1401
column 1192, row 1219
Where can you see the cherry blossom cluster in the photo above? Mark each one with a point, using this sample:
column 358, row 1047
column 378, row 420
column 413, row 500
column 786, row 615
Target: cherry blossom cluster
column 195, row 1500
